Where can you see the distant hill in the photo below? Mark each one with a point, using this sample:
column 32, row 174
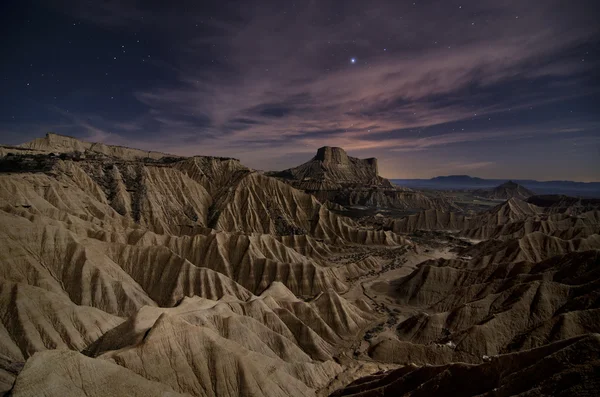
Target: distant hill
column 466, row 182
column 507, row 191
column 459, row 179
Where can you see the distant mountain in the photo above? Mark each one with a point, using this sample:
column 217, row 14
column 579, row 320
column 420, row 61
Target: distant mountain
column 507, row 191
column 466, row 182
column 460, row 179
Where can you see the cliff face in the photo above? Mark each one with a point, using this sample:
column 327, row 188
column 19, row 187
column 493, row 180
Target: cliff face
column 332, row 155
column 372, row 162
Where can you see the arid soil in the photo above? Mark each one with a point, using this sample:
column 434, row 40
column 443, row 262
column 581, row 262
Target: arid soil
column 125, row 272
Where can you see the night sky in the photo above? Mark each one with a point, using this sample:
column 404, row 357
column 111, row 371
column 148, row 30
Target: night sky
column 490, row 88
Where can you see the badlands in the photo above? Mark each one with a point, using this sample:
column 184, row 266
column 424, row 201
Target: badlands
column 125, row 272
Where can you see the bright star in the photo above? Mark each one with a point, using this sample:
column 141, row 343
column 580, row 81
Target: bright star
column 353, row 60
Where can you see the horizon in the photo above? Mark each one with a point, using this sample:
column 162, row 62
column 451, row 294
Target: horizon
column 481, row 88
column 500, row 179
column 337, row 147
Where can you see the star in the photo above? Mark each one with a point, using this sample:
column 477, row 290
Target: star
column 352, row 60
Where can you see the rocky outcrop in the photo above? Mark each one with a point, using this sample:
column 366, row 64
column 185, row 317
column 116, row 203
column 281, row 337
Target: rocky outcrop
column 333, row 169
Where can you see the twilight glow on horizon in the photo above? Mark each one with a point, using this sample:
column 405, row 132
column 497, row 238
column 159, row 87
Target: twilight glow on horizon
column 494, row 89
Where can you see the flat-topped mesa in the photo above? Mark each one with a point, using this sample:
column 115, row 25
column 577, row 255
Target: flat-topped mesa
column 332, row 169
column 332, row 155
column 57, row 143
column 336, row 156
column 332, row 175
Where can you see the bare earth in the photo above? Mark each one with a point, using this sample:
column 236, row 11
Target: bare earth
column 125, row 272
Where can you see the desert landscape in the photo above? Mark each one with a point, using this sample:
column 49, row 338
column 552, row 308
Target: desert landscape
column 140, row 273
column 266, row 198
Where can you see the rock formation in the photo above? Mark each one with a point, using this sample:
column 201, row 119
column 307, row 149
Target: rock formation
column 333, row 169
column 57, row 143
column 332, row 175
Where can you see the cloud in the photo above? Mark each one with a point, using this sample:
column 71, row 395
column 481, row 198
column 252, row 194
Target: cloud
column 291, row 93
